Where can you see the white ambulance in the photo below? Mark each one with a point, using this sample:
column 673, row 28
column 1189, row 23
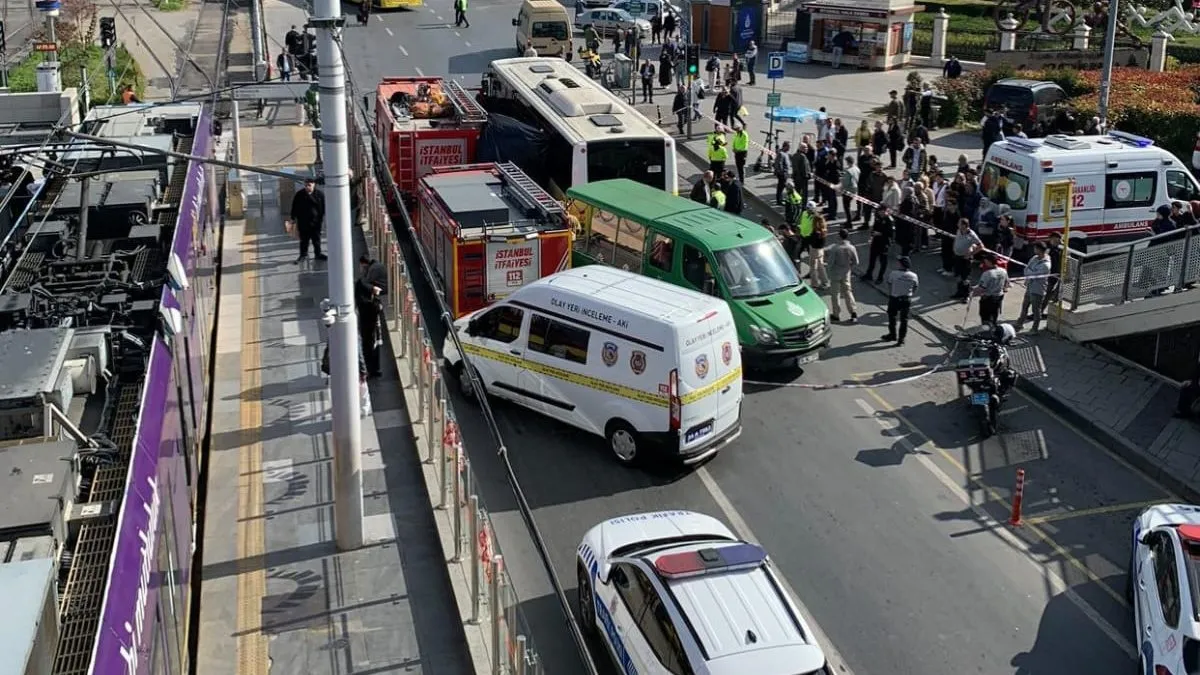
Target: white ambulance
column 646, row 364
column 1120, row 181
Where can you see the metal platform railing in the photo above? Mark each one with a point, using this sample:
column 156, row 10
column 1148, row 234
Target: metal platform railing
column 1132, row 271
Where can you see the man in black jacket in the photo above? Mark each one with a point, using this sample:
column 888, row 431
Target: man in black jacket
column 733, row 193
column 881, row 241
column 368, row 290
column 308, row 215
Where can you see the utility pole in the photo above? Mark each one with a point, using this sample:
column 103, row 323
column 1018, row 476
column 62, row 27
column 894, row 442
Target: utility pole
column 343, row 334
column 1110, row 48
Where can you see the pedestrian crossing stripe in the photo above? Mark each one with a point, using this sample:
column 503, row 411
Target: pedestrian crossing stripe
column 648, row 398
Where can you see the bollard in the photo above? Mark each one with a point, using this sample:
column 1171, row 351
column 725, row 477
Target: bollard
column 422, row 374
column 476, row 558
column 402, row 317
column 431, row 403
column 522, row 656
column 1018, row 495
column 659, row 109
column 497, row 613
column 449, row 439
column 456, row 492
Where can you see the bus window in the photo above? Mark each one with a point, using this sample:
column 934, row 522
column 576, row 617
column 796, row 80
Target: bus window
column 631, row 236
column 662, row 252
column 641, row 161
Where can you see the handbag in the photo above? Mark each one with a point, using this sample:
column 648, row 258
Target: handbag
column 743, row 113
column 289, row 226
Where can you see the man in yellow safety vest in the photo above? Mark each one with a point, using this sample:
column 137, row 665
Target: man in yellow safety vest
column 805, row 228
column 718, row 150
column 741, row 147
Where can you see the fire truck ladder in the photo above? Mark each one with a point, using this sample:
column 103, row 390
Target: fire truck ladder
column 465, row 105
column 528, row 191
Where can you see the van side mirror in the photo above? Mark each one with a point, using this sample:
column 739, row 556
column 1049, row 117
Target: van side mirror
column 514, row 22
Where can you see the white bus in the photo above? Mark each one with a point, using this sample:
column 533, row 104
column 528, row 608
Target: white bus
column 593, row 134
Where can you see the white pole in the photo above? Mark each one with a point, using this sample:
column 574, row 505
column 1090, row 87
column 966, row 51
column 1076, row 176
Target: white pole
column 343, row 337
column 1110, row 48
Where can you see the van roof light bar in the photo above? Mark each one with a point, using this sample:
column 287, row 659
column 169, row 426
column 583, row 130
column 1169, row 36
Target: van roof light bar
column 1131, row 139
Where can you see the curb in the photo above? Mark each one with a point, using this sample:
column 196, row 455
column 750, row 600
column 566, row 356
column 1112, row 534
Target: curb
column 1107, row 438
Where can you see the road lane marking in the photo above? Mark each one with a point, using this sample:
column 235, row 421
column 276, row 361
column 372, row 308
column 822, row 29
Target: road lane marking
column 457, row 34
column 389, row 31
column 1097, row 511
column 439, row 17
column 467, row 43
column 403, row 50
column 1056, row 582
column 420, row 72
column 1101, row 447
column 832, row 656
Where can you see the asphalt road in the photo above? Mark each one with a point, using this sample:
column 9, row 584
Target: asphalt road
column 879, row 506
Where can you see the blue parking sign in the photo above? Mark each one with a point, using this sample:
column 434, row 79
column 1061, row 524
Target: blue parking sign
column 775, row 65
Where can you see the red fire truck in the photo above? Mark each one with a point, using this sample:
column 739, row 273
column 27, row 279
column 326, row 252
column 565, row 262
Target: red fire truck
column 425, row 123
column 489, row 230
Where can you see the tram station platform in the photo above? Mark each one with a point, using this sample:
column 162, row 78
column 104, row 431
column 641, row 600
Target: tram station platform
column 275, row 595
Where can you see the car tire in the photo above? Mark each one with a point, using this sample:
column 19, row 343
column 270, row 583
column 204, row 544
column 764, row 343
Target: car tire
column 587, row 603
column 623, row 442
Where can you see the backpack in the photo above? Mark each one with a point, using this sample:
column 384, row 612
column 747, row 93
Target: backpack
column 711, row 66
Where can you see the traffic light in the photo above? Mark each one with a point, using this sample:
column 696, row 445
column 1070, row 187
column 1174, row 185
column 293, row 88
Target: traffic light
column 3, row 40
column 693, row 60
column 108, row 32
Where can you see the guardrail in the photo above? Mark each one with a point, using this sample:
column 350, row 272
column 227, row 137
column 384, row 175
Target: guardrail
column 1125, row 272
column 491, row 601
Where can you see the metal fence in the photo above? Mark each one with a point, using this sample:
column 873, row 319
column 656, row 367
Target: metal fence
column 967, row 45
column 1126, row 272
column 493, row 603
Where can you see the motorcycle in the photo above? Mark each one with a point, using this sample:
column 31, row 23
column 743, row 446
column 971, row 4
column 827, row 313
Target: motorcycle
column 987, row 373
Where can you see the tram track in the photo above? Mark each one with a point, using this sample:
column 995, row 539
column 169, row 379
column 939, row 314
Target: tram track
column 200, row 56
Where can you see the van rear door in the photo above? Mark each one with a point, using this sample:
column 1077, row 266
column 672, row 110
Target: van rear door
column 710, row 397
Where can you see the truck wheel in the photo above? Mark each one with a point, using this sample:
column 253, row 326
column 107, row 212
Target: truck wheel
column 623, row 442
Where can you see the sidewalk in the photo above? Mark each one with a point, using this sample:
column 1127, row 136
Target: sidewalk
column 275, row 593
column 1124, row 407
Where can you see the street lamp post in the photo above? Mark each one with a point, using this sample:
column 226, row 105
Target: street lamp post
column 1110, row 48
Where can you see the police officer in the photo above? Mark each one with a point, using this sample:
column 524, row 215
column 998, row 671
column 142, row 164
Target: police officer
column 718, row 197
column 718, row 150
column 804, row 228
column 901, row 285
column 741, row 147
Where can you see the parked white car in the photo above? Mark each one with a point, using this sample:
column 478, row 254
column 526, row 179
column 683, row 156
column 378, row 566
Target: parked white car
column 608, row 20
column 646, row 9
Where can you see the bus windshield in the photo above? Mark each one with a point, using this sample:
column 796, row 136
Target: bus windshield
column 641, row 161
column 756, row 270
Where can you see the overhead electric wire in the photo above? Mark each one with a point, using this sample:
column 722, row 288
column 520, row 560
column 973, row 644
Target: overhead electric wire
column 493, row 428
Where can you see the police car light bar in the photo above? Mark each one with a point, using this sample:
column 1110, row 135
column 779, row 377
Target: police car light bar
column 1024, row 143
column 707, row 560
column 1132, row 139
column 1189, row 532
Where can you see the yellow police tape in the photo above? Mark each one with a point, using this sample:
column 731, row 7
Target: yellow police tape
column 649, row 398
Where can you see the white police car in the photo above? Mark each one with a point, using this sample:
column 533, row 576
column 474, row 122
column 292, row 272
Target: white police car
column 676, row 593
column 1163, row 589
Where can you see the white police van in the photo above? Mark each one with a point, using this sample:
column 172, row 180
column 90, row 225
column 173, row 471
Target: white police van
column 1120, row 181
column 676, row 593
column 644, row 363
column 1164, row 590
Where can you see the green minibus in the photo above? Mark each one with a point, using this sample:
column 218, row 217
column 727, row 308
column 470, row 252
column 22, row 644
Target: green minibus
column 780, row 320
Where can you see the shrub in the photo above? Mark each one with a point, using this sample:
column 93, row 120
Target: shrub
column 1163, row 106
column 23, row 77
